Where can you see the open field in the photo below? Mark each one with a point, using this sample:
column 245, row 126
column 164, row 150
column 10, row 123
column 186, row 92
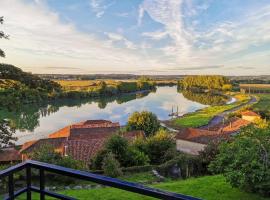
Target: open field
column 263, row 105
column 203, row 116
column 207, row 187
column 263, row 86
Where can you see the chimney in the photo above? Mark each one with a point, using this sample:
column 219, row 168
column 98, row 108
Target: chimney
column 66, row 150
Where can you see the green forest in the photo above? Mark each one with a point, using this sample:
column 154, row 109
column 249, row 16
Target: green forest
column 205, row 82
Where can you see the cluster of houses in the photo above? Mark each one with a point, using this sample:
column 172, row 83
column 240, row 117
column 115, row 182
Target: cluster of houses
column 83, row 140
column 194, row 140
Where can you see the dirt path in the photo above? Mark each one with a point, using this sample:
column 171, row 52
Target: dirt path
column 218, row 118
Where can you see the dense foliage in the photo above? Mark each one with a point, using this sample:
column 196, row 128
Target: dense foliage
column 210, row 82
column 6, row 134
column 146, row 121
column 47, row 154
column 245, row 160
column 111, row 166
column 159, row 147
column 122, row 151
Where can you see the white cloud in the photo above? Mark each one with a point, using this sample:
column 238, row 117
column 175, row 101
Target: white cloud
column 99, row 7
column 38, row 40
column 169, row 14
column 157, row 35
column 114, row 37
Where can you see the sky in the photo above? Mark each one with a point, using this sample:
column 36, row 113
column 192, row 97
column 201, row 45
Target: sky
column 137, row 36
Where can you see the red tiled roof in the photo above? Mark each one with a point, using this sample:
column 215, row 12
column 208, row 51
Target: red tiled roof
column 249, row 113
column 83, row 150
column 92, row 133
column 56, row 143
column 199, row 135
column 64, row 132
column 234, row 125
column 9, row 155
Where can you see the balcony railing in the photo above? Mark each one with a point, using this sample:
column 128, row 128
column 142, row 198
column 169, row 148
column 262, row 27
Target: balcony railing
column 82, row 175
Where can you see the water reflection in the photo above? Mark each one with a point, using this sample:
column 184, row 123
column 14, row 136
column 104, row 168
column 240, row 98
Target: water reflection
column 37, row 121
column 205, row 98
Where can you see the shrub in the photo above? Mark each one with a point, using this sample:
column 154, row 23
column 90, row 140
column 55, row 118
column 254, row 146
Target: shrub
column 189, row 166
column 96, row 161
column 118, row 145
column 209, row 154
column 157, row 146
column 146, row 121
column 134, row 157
column 111, row 166
column 47, row 154
column 244, row 161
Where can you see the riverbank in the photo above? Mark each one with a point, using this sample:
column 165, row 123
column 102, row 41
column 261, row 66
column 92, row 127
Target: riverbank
column 204, row 116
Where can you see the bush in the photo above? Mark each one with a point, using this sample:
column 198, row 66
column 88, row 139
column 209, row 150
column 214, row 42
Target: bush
column 96, row 161
column 111, row 166
column 244, row 161
column 47, row 154
column 209, row 154
column 134, row 157
column 118, row 145
column 189, row 166
column 145, row 121
column 157, row 147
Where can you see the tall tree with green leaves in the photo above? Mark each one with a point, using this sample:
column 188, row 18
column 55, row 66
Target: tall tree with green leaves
column 6, row 134
column 2, row 35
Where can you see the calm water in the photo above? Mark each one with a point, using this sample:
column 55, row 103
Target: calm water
column 35, row 122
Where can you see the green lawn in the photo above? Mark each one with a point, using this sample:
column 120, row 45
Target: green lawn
column 264, row 102
column 208, row 187
column 203, row 116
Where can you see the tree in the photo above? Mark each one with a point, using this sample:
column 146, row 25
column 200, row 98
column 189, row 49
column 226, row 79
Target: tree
column 145, row 121
column 159, row 147
column 111, row 166
column 245, row 160
column 118, row 145
column 6, row 134
column 2, row 35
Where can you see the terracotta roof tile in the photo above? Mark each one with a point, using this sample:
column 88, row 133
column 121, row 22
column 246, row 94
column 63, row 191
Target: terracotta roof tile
column 9, row 155
column 56, row 143
column 199, row 135
column 83, row 150
column 250, row 113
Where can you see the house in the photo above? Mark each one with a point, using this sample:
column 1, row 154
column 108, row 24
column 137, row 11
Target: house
column 194, row 140
column 91, row 127
column 250, row 116
column 9, row 156
column 81, row 141
column 233, row 125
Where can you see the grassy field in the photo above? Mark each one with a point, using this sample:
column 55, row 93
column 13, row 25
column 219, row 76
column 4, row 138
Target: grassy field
column 203, row 116
column 264, row 102
column 208, row 188
column 83, row 84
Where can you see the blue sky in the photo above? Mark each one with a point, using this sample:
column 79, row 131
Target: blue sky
column 138, row 36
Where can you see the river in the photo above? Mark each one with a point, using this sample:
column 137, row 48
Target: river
column 34, row 122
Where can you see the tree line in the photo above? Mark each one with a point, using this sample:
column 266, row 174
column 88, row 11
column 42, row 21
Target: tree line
column 205, row 82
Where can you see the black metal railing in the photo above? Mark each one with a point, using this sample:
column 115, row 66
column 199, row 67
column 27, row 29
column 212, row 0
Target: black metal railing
column 82, row 175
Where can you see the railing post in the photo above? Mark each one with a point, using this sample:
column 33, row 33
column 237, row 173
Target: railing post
column 28, row 182
column 11, row 186
column 42, row 184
